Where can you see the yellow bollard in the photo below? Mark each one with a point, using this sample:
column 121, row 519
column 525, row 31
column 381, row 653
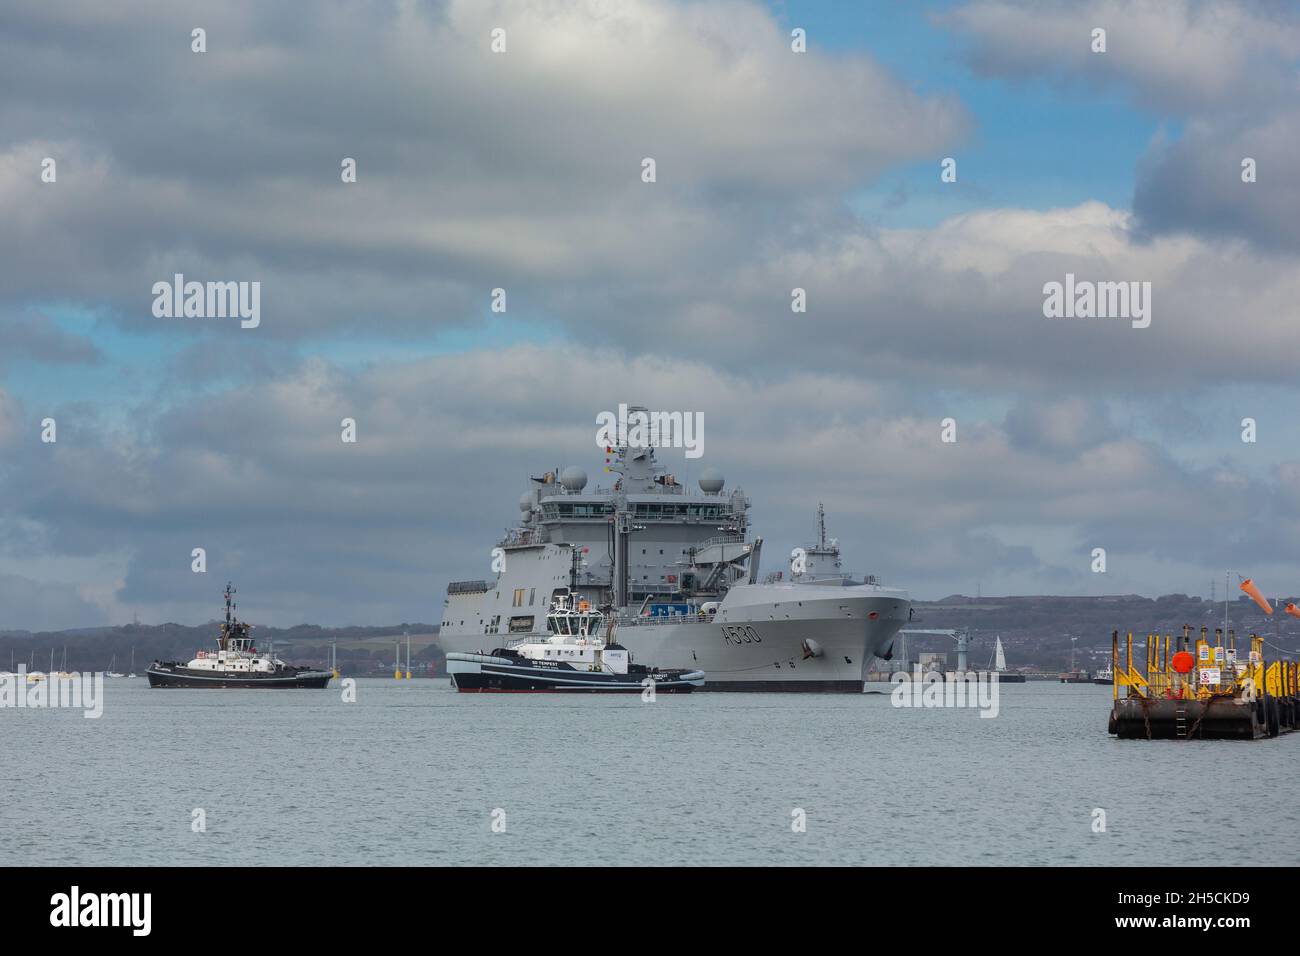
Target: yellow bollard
column 1114, row 664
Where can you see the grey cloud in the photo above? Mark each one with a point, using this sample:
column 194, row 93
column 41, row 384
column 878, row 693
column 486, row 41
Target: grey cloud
column 1195, row 185
column 1181, row 57
column 27, row 604
column 1059, row 427
column 476, row 170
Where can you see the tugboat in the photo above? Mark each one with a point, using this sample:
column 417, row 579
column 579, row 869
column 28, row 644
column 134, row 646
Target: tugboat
column 580, row 655
column 235, row 664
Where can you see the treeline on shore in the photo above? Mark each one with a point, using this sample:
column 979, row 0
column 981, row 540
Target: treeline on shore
column 360, row 650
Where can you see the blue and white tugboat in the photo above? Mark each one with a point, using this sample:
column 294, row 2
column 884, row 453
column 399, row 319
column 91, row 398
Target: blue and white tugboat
column 235, row 664
column 579, row 656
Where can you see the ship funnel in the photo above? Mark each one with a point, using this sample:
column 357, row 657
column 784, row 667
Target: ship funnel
column 1255, row 596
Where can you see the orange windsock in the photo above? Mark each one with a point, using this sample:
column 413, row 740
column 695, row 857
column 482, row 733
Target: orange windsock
column 1293, row 610
column 1255, row 596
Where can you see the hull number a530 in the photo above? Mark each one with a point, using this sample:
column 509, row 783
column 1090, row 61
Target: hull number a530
column 740, row 634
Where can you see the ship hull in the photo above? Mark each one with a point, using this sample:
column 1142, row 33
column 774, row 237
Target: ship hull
column 179, row 676
column 487, row 674
column 764, row 637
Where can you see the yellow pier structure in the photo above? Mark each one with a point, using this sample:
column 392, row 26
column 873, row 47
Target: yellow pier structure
column 1202, row 690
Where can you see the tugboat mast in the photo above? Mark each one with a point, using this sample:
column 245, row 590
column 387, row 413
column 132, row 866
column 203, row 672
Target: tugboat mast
column 223, row 643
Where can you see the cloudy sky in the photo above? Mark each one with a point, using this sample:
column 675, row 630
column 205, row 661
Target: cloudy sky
column 522, row 170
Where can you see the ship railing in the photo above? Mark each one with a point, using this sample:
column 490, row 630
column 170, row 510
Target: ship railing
column 720, row 539
column 645, row 619
column 524, row 537
column 781, row 577
column 467, row 587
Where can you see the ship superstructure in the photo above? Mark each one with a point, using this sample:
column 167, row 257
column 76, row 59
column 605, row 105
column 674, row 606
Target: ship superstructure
column 679, row 570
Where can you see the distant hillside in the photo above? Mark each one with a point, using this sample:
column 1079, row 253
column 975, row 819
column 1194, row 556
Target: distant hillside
column 1036, row 631
column 361, row 650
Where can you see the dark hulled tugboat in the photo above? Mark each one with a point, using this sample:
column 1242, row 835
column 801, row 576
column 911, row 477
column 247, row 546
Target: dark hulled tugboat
column 579, row 656
column 235, row 664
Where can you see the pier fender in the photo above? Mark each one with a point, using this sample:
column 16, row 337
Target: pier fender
column 811, row 648
column 1274, row 717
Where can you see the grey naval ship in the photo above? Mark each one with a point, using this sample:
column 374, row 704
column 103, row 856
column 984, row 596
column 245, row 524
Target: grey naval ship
column 678, row 571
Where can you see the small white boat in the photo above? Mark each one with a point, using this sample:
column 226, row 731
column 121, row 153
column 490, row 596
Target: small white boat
column 1000, row 666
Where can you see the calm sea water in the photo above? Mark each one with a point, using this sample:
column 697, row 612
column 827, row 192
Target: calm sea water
column 412, row 772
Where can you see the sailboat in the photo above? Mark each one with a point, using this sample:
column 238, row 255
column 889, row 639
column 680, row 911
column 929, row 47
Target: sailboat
column 131, row 673
column 111, row 671
column 34, row 676
column 999, row 664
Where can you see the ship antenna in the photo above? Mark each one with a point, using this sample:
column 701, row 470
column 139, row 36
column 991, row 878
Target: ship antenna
column 821, row 526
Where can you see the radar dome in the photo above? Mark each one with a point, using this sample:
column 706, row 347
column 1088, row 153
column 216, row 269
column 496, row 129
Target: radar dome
column 525, row 502
column 711, row 481
column 573, row 479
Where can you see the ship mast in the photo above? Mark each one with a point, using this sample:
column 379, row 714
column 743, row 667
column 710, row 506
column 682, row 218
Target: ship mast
column 223, row 642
